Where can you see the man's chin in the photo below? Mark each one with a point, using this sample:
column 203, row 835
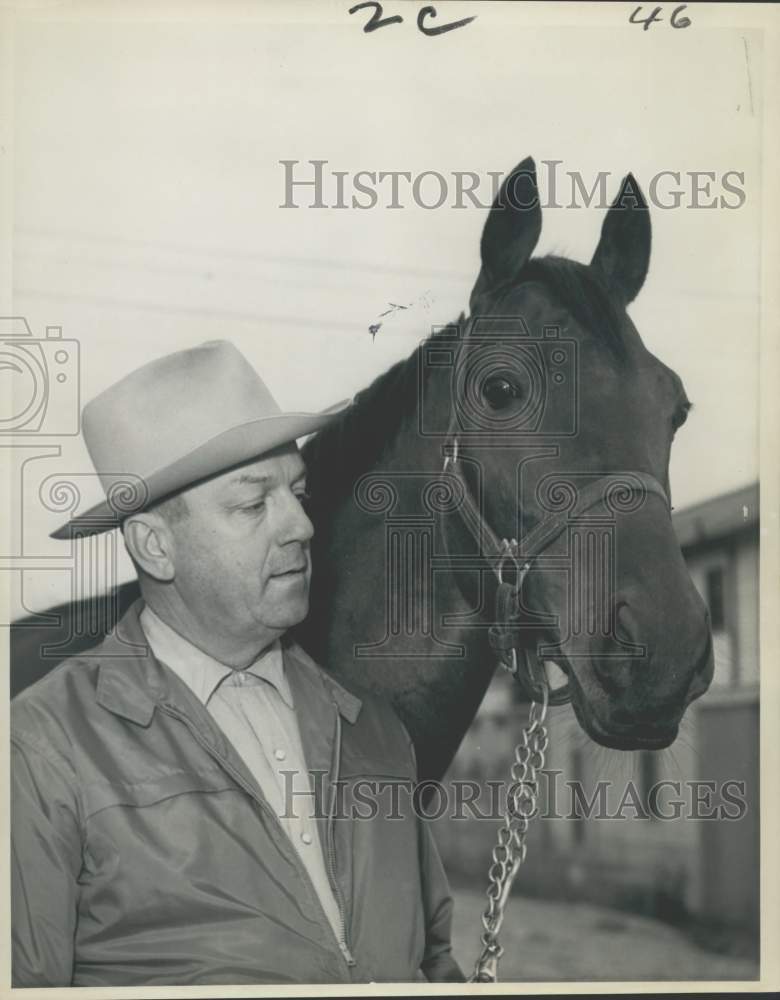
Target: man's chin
column 291, row 614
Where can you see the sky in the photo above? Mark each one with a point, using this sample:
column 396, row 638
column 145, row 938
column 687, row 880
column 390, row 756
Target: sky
column 148, row 190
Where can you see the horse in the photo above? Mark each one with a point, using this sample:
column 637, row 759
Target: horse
column 522, row 450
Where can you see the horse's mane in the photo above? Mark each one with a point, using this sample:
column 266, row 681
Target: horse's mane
column 352, row 444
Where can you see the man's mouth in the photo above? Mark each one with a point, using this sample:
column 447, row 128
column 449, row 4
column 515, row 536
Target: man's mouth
column 290, row 573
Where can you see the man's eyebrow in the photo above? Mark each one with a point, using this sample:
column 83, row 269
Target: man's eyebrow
column 247, row 479
column 250, row 479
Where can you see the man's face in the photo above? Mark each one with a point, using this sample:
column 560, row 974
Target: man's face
column 241, row 552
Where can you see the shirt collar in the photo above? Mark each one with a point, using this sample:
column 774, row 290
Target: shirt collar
column 201, row 672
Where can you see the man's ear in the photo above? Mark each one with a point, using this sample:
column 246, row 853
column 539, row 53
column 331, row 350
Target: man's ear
column 149, row 541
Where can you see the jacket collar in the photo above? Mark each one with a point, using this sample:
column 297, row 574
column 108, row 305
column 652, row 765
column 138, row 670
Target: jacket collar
column 131, row 681
column 348, row 704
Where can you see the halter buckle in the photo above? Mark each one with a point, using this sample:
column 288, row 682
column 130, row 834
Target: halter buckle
column 509, row 547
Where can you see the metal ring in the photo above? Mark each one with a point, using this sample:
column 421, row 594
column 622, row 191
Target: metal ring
column 538, row 712
column 451, row 459
column 509, row 551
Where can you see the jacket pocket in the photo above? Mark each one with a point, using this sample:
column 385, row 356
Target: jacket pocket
column 149, row 791
column 366, row 765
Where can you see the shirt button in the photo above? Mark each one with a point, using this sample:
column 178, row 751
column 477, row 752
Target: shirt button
column 279, row 754
column 306, row 838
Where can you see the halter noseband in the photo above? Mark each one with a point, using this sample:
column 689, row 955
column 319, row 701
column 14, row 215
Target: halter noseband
column 504, row 634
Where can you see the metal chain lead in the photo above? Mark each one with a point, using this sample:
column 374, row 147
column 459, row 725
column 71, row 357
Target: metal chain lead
column 510, row 850
column 509, row 853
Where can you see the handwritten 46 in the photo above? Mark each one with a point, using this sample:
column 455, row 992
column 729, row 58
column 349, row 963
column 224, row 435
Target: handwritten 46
column 676, row 20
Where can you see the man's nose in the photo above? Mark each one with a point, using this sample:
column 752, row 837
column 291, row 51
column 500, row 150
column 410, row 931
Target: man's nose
column 296, row 526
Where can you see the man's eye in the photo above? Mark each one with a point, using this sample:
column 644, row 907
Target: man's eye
column 253, row 508
column 303, row 496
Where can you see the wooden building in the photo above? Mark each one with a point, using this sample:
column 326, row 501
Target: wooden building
column 650, row 860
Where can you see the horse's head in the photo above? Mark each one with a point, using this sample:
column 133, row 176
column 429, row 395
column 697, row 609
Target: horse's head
column 568, row 396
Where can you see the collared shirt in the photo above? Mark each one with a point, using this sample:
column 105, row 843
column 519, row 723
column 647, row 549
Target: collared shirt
column 254, row 709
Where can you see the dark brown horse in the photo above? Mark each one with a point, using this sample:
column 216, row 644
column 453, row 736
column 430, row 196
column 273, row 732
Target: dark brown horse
column 553, row 413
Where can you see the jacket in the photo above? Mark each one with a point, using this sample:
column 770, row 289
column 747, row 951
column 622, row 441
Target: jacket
column 143, row 851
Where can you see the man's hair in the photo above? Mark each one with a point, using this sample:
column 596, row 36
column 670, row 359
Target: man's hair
column 172, row 508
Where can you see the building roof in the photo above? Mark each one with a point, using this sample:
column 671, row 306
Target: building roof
column 719, row 517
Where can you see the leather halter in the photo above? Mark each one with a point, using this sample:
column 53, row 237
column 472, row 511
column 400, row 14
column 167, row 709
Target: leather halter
column 504, row 635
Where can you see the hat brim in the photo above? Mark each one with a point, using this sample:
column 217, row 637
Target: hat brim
column 224, row 451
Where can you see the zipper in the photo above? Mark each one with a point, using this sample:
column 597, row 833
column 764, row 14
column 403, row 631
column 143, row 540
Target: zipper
column 331, row 845
column 239, row 779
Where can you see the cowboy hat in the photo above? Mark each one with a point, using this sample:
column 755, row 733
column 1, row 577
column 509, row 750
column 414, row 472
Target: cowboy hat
column 175, row 421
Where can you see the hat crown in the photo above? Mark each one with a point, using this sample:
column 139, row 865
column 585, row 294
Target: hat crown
column 172, row 406
column 176, row 421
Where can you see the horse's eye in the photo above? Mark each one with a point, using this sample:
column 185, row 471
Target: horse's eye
column 499, row 392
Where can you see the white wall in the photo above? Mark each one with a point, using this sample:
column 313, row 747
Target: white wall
column 147, row 181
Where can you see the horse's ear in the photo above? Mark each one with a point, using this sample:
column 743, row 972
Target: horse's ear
column 623, row 254
column 512, row 229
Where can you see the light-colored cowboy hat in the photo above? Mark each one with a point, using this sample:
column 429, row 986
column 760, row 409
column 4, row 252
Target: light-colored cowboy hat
column 176, row 421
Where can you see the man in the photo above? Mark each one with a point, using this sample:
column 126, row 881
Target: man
column 180, row 809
